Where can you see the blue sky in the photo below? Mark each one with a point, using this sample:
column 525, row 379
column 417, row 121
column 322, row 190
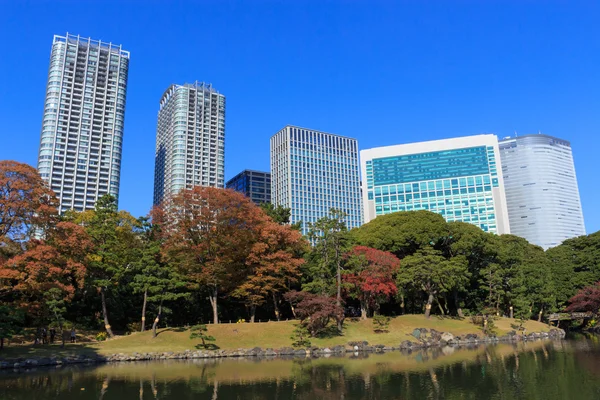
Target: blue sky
column 382, row 72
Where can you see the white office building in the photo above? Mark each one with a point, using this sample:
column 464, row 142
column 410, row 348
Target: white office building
column 82, row 127
column 313, row 172
column 457, row 178
column 541, row 189
column 190, row 140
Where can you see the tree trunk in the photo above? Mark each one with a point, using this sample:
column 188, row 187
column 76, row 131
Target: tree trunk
column 402, row 305
column 440, row 306
column 363, row 309
column 144, row 311
column 459, row 310
column 276, row 307
column 252, row 313
column 540, row 315
column 105, row 314
column 428, row 305
column 213, row 302
column 155, row 324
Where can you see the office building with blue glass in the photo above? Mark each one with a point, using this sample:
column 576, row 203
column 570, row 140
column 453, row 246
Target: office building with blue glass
column 458, row 178
column 254, row 184
column 313, row 172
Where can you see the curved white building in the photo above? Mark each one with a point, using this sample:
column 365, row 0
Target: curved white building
column 82, row 127
column 541, row 189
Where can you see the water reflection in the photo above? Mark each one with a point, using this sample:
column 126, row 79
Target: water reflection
column 537, row 370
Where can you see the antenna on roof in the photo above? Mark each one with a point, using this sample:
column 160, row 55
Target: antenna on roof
column 516, row 134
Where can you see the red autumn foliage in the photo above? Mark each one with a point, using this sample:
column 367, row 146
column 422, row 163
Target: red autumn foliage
column 26, row 202
column 587, row 299
column 315, row 311
column 371, row 279
column 208, row 232
column 57, row 262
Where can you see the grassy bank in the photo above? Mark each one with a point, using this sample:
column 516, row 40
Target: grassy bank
column 266, row 335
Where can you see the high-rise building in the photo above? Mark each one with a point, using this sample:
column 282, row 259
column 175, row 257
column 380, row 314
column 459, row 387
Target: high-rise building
column 82, row 127
column 190, row 139
column 313, row 172
column 254, row 184
column 541, row 189
column 457, row 178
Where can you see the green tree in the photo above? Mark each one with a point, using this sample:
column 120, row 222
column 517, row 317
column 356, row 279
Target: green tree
column 116, row 246
column 153, row 277
column 201, row 332
column 56, row 304
column 330, row 239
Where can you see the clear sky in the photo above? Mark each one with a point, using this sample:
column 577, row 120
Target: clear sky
column 382, row 72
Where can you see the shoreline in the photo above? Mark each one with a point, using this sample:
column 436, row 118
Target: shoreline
column 425, row 339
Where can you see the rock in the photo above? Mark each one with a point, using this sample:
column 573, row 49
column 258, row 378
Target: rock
column 447, row 337
column 327, row 350
column 417, row 333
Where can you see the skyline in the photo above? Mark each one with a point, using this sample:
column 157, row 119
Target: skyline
column 448, row 103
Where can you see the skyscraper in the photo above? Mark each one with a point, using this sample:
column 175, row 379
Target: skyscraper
column 541, row 189
column 313, row 172
column 190, row 139
column 456, row 178
column 82, row 127
column 254, row 184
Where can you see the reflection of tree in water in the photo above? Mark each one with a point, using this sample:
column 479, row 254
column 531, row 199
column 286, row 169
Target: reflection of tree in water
column 556, row 370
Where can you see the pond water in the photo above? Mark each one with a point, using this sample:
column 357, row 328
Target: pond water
column 545, row 370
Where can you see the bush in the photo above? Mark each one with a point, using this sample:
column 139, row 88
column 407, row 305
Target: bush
column 300, row 336
column 381, row 323
column 101, row 336
column 201, row 332
column 315, row 311
column 134, row 326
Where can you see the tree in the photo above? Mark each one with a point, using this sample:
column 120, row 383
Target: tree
column 55, row 265
column 26, row 203
column 11, row 323
column 115, row 242
column 586, row 300
column 208, row 232
column 201, row 332
column 426, row 270
column 156, row 279
column 273, row 264
column 316, row 311
column 370, row 277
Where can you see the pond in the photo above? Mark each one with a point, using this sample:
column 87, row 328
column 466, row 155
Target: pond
column 545, row 370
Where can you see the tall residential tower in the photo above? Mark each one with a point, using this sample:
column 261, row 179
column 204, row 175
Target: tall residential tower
column 190, row 139
column 313, row 172
column 82, row 127
column 457, row 178
column 541, row 189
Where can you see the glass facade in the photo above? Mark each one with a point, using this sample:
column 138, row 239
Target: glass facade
column 541, row 189
column 190, row 139
column 313, row 172
column 82, row 126
column 457, row 179
column 254, row 184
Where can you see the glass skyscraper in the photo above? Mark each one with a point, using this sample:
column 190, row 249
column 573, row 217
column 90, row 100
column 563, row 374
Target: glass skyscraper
column 313, row 172
column 254, row 184
column 190, row 139
column 541, row 189
column 457, row 178
column 82, row 127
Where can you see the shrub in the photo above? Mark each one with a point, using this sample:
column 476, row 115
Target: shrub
column 101, row 336
column 381, row 323
column 300, row 336
column 201, row 332
column 315, row 311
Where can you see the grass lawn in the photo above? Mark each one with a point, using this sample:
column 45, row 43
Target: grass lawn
column 265, row 335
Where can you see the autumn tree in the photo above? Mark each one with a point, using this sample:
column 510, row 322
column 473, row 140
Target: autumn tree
column 208, row 233
column 586, row 300
column 113, row 234
column 273, row 265
column 316, row 311
column 55, row 265
column 154, row 278
column 370, row 277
